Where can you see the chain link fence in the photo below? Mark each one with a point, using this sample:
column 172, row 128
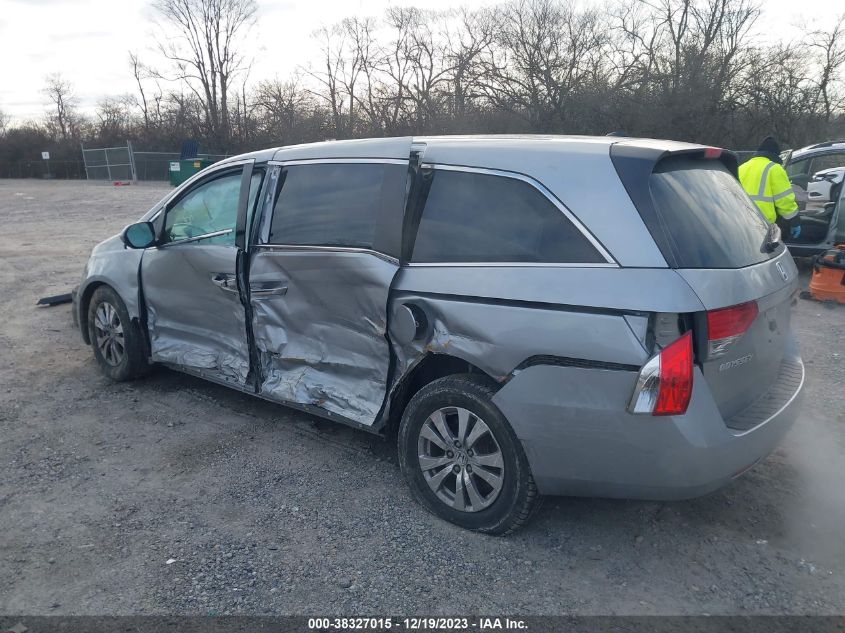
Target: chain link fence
column 156, row 165
column 64, row 169
column 109, row 163
column 105, row 164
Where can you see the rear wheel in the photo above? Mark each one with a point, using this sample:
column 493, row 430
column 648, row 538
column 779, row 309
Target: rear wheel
column 117, row 342
column 462, row 460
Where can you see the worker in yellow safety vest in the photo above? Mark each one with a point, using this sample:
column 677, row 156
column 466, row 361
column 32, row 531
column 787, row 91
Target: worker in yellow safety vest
column 764, row 179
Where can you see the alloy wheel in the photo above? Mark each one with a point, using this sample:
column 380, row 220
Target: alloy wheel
column 460, row 459
column 109, row 334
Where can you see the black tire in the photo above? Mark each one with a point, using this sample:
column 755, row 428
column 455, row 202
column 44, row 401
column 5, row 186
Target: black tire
column 132, row 363
column 517, row 499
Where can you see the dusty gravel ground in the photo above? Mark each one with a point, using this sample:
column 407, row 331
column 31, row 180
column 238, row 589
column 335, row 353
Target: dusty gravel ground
column 265, row 510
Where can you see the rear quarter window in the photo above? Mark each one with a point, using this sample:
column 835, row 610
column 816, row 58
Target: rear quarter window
column 475, row 217
column 704, row 217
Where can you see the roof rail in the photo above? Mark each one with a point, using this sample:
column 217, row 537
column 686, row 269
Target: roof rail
column 826, row 144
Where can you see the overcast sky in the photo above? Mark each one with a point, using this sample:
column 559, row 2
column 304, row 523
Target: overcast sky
column 88, row 40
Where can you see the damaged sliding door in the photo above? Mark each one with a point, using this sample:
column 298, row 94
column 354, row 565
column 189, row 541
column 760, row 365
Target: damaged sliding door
column 319, row 283
column 195, row 317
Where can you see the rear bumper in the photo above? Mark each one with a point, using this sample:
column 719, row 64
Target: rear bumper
column 580, row 440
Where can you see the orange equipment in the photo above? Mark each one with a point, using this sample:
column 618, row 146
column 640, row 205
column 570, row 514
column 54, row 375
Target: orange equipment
column 828, row 280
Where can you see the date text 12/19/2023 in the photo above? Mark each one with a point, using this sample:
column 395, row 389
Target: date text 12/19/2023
column 417, row 624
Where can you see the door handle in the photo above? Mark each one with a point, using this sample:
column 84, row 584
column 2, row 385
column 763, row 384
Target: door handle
column 258, row 290
column 225, row 282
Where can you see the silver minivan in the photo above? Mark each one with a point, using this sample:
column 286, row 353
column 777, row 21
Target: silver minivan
column 520, row 331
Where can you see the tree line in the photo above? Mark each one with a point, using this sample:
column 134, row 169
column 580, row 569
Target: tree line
column 696, row 70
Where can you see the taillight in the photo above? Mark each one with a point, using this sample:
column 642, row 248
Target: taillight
column 664, row 386
column 727, row 325
column 712, row 152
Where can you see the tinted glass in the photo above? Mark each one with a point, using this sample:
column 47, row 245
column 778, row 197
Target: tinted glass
column 328, row 205
column 798, row 167
column 471, row 217
column 710, row 220
column 210, row 207
column 828, row 161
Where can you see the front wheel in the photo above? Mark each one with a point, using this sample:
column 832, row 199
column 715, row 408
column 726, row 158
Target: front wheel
column 462, row 460
column 117, row 342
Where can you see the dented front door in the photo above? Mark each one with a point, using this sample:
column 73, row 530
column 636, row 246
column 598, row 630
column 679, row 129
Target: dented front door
column 194, row 312
column 319, row 284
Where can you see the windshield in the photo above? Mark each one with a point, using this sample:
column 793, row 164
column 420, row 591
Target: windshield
column 710, row 221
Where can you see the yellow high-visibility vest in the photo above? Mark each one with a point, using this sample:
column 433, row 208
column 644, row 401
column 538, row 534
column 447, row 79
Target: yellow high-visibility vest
column 769, row 187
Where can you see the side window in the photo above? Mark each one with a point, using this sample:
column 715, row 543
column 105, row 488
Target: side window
column 798, row 168
column 209, row 208
column 326, row 204
column 472, row 217
column 828, row 161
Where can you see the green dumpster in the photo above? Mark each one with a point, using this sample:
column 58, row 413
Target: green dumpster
column 181, row 170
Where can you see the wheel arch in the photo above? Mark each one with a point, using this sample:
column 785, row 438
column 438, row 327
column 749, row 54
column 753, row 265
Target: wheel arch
column 85, row 295
column 84, row 303
column 426, row 370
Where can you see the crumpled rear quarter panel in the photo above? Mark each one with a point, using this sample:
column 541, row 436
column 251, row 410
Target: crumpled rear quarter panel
column 496, row 338
column 496, row 317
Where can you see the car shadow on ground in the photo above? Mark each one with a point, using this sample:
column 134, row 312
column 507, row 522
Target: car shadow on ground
column 738, row 507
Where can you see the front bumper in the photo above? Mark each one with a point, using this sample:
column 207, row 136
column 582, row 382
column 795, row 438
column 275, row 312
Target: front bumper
column 580, row 440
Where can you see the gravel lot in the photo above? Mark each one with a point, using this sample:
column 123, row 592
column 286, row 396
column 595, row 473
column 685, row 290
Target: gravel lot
column 171, row 495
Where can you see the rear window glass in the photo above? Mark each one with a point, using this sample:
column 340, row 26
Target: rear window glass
column 472, row 217
column 709, row 220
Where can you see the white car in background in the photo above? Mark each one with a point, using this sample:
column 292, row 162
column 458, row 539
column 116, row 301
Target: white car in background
column 817, row 173
column 825, row 185
column 806, row 164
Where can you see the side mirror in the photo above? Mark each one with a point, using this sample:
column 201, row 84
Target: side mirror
column 139, row 235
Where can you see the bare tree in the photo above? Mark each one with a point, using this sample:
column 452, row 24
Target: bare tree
column 63, row 117
column 830, row 45
column 428, row 69
column 141, row 73
column 114, row 118
column 780, row 96
column 4, row 122
column 283, row 108
column 696, row 70
column 347, row 52
column 544, row 52
column 204, row 41
column 468, row 36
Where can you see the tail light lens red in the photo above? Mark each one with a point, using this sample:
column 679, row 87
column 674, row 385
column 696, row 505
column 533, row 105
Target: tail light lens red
column 675, row 377
column 664, row 386
column 726, row 325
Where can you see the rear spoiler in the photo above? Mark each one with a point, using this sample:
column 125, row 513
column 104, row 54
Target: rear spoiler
column 654, row 154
